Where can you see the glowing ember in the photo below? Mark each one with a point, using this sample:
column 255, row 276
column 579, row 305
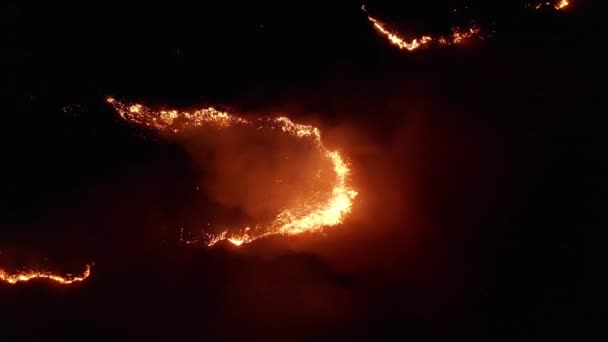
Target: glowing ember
column 458, row 36
column 562, row 4
column 324, row 210
column 30, row 275
column 558, row 5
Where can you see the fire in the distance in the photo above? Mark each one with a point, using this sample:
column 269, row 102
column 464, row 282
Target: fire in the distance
column 26, row 276
column 458, row 35
column 562, row 4
column 311, row 216
column 558, row 5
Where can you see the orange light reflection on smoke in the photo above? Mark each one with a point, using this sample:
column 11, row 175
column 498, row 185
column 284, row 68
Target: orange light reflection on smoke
column 324, row 210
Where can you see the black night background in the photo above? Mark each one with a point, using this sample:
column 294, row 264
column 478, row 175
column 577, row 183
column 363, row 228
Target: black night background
column 480, row 170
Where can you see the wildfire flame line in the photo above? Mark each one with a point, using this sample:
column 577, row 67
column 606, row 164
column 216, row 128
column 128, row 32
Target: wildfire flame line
column 30, row 275
column 458, row 36
column 311, row 216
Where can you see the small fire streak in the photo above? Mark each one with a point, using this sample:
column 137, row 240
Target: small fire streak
column 559, row 5
column 311, row 216
column 562, row 4
column 458, row 36
column 30, row 275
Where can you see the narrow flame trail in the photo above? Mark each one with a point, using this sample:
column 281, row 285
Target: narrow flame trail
column 30, row 275
column 311, row 216
column 458, row 36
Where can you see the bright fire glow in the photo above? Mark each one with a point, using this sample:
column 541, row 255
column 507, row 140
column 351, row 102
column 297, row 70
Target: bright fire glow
column 311, row 216
column 562, row 4
column 30, row 275
column 458, row 36
column 558, row 5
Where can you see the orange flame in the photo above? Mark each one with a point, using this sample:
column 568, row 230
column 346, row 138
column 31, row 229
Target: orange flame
column 311, row 216
column 458, row 36
column 562, row 4
column 30, row 275
column 559, row 5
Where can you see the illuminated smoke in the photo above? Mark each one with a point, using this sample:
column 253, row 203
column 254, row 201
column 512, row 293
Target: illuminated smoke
column 312, row 215
column 26, row 276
